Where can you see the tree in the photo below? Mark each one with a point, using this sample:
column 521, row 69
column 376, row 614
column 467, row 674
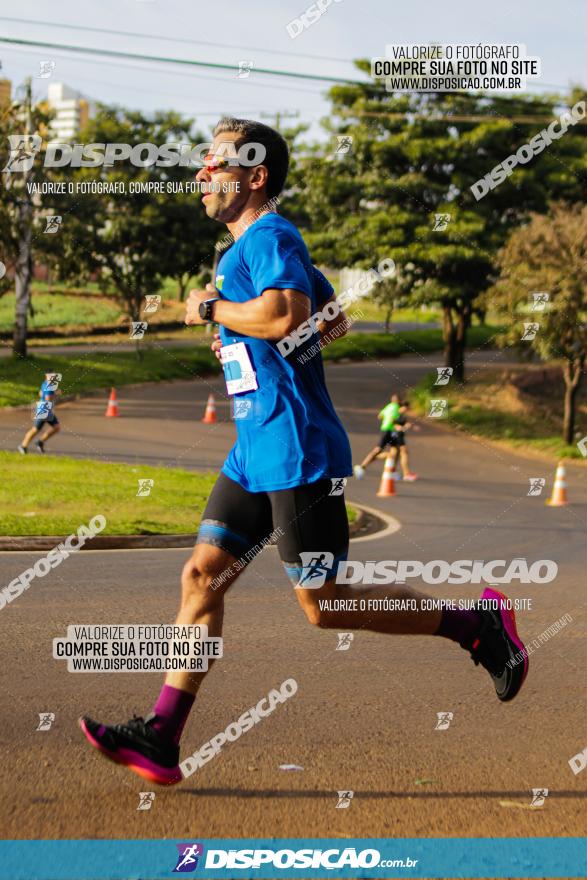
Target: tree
column 190, row 234
column 548, row 256
column 131, row 239
column 23, row 128
column 414, row 156
column 393, row 292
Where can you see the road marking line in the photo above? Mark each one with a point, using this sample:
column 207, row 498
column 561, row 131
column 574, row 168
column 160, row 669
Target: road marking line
column 392, row 524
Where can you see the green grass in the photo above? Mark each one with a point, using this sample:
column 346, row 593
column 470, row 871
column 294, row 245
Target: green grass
column 60, row 310
column 64, row 287
column 20, row 379
column 58, row 494
column 362, row 346
column 374, row 312
column 55, row 495
column 60, row 305
column 483, row 407
column 169, row 288
column 188, row 335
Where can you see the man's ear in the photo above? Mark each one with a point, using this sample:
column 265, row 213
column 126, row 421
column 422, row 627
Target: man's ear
column 259, row 177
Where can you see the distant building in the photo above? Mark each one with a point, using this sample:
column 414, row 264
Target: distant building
column 71, row 111
column 5, row 91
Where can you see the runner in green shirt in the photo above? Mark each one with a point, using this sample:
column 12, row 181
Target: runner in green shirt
column 398, row 443
column 388, row 417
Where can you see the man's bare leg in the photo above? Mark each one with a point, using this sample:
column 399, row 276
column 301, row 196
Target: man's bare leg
column 371, row 456
column 32, row 432
column 404, row 459
column 399, row 622
column 202, row 602
column 489, row 634
column 150, row 746
column 51, row 429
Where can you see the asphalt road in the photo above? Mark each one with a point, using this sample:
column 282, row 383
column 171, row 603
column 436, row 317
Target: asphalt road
column 362, row 719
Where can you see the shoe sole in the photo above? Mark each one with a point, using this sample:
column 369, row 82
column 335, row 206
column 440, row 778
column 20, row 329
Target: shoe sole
column 154, row 773
column 508, row 619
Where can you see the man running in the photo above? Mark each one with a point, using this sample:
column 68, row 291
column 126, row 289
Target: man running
column 44, row 416
column 290, row 447
column 388, row 418
column 398, row 443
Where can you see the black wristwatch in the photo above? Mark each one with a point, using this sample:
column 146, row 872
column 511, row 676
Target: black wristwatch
column 206, row 309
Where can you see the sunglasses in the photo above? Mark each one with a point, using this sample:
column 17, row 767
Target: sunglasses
column 217, row 163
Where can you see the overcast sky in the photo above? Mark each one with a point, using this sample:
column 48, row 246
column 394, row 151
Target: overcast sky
column 229, row 31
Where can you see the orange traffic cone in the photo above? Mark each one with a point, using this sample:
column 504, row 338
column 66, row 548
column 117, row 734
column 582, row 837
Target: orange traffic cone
column 559, row 490
column 112, row 409
column 210, row 414
column 387, row 484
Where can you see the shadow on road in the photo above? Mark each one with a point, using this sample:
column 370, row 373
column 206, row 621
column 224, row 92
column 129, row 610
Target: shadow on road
column 422, row 795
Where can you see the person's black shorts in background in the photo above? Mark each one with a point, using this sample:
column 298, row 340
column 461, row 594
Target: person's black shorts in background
column 50, row 420
column 392, row 438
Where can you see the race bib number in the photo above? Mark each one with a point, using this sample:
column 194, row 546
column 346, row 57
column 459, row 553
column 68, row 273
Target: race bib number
column 238, row 369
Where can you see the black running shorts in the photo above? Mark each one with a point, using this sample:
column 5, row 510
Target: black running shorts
column 309, row 523
column 392, row 438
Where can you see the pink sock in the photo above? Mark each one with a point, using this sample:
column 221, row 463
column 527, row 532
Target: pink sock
column 460, row 626
column 171, row 712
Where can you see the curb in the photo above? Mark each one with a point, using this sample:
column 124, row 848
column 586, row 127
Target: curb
column 100, row 542
column 366, row 524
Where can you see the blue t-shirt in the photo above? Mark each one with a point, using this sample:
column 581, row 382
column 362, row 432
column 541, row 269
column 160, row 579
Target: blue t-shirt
column 47, row 391
column 288, row 433
column 46, row 396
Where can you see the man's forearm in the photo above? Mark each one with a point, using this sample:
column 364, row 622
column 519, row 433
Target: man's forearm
column 248, row 318
column 262, row 318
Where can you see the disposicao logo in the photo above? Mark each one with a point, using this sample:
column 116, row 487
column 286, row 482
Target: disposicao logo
column 188, row 856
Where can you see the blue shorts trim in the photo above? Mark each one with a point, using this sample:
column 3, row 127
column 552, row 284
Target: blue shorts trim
column 219, row 535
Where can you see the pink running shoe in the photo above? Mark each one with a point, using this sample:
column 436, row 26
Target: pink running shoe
column 498, row 647
column 138, row 746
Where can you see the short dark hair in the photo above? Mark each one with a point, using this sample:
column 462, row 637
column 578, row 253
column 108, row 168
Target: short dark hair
column 276, row 158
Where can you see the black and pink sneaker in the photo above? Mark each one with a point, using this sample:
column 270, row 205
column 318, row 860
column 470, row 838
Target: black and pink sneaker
column 138, row 746
column 498, row 647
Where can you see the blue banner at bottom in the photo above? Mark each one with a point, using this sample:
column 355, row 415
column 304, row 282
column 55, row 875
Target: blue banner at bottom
column 545, row 857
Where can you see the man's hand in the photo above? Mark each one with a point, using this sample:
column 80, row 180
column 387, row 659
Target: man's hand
column 336, row 327
column 192, row 314
column 216, row 345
